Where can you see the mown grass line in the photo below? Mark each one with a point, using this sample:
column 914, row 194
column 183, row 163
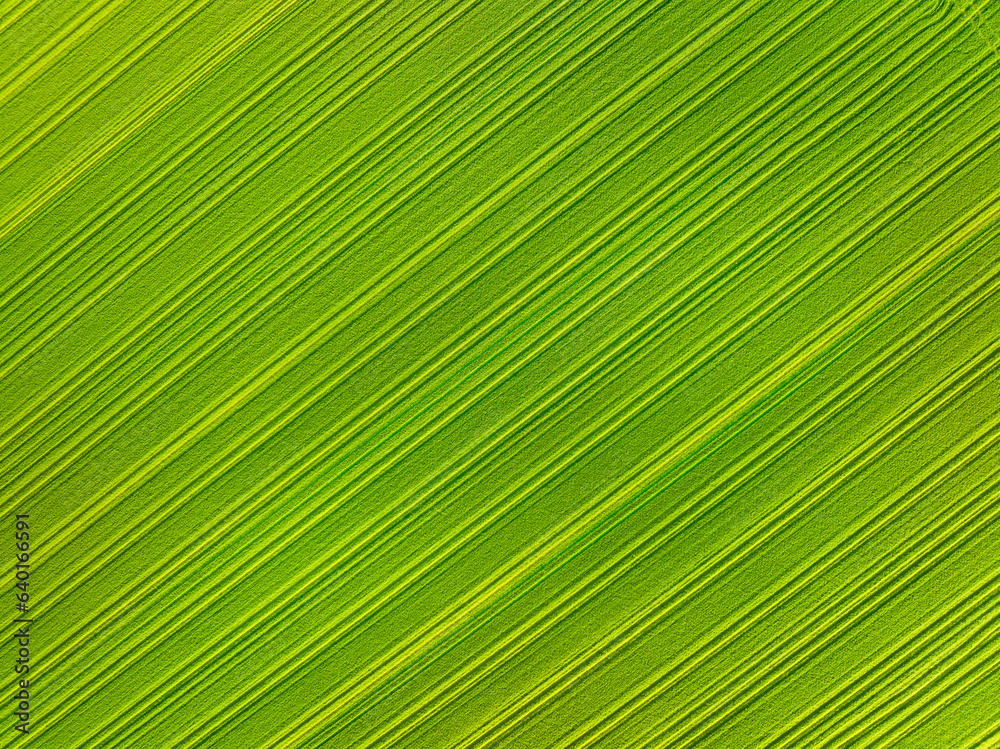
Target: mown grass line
column 656, row 608
column 707, row 724
column 336, row 99
column 214, row 197
column 231, row 183
column 304, row 57
column 905, row 651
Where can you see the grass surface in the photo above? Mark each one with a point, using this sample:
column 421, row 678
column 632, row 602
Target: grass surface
column 466, row 373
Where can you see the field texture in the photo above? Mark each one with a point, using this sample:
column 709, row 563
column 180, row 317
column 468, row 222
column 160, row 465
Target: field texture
column 539, row 374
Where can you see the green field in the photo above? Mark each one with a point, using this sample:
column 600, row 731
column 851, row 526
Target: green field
column 471, row 373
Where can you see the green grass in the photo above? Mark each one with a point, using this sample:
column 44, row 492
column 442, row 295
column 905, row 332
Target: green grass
column 482, row 374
